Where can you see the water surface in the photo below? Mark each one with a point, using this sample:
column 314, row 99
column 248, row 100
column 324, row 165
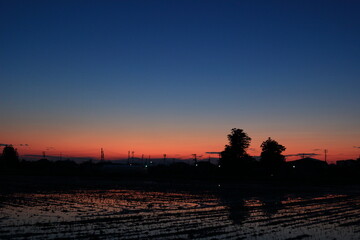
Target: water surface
column 223, row 213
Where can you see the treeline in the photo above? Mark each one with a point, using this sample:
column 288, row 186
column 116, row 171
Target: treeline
column 10, row 164
column 234, row 163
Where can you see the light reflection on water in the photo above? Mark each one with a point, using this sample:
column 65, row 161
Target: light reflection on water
column 133, row 214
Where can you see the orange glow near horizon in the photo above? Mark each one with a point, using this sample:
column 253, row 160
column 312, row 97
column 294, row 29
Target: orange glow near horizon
column 176, row 138
column 178, row 145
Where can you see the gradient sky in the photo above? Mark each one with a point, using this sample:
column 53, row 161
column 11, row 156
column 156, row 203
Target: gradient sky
column 174, row 77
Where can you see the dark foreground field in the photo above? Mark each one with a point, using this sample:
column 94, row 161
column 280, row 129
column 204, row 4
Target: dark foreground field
column 84, row 208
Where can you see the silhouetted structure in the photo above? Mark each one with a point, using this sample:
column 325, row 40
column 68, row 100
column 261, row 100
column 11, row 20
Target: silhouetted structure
column 348, row 163
column 348, row 170
column 308, row 168
column 308, row 163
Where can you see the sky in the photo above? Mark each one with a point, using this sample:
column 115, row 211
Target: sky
column 175, row 77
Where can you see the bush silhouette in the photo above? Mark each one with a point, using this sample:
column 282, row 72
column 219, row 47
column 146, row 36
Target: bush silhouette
column 9, row 157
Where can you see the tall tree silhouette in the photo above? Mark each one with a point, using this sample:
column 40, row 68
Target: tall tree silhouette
column 9, row 157
column 271, row 157
column 235, row 152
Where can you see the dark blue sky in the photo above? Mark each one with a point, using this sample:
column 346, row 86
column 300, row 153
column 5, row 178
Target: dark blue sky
column 268, row 66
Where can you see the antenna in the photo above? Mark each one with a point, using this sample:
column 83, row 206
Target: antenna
column 102, row 157
column 164, row 158
column 44, row 154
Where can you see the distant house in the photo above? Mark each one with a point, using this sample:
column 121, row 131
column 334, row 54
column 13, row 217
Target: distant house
column 308, row 163
column 307, row 167
column 348, row 163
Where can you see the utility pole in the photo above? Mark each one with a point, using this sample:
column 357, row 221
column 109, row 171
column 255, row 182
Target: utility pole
column 102, row 155
column 132, row 158
column 325, row 152
column 195, row 159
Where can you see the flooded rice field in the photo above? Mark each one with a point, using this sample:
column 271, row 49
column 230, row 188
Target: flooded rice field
column 148, row 213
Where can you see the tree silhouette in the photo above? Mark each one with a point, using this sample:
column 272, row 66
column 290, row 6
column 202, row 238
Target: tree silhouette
column 271, row 156
column 9, row 157
column 235, row 153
